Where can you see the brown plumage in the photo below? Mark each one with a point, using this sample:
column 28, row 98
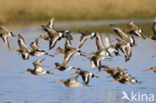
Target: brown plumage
column 4, row 34
column 151, row 69
column 85, row 75
column 38, row 68
column 135, row 30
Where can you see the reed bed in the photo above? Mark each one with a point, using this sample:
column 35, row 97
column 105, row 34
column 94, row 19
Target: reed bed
column 41, row 10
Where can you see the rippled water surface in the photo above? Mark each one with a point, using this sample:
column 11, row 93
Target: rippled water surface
column 17, row 86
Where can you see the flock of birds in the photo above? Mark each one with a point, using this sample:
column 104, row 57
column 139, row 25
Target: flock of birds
column 105, row 49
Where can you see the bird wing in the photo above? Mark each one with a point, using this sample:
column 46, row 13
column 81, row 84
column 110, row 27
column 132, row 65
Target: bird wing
column 127, row 50
column 120, row 33
column 74, row 79
column 85, row 78
column 53, row 41
column 99, row 63
column 68, row 44
column 107, row 42
column 132, row 26
column 99, row 42
column 38, row 66
column 3, row 30
column 34, row 45
column 22, row 44
column 83, row 38
column 5, row 39
column 132, row 41
column 51, row 23
column 68, row 56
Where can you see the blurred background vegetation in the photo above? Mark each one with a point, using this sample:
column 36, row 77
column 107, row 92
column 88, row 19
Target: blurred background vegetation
column 30, row 11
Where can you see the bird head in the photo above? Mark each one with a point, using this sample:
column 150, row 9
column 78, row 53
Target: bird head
column 89, row 57
column 106, row 69
column 28, row 70
column 77, row 72
column 152, row 68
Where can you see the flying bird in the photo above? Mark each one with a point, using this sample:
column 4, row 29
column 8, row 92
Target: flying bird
column 38, row 68
column 4, row 34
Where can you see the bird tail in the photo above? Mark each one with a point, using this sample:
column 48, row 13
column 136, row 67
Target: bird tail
column 48, row 72
column 49, row 54
column 57, row 64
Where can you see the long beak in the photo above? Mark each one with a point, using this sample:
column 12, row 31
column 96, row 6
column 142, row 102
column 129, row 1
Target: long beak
column 114, row 80
column 54, row 68
column 90, row 53
column 58, row 81
column 147, row 69
column 73, row 73
column 86, row 58
column 25, row 71
column 58, row 53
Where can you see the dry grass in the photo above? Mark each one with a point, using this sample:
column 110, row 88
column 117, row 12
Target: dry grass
column 41, row 10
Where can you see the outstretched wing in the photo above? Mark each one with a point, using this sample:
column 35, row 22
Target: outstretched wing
column 107, row 42
column 132, row 26
column 68, row 56
column 99, row 42
column 119, row 32
column 34, row 45
column 22, row 44
column 38, row 66
column 83, row 39
column 51, row 23
column 5, row 39
column 3, row 30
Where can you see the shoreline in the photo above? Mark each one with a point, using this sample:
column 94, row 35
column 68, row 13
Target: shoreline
column 80, row 23
column 90, row 25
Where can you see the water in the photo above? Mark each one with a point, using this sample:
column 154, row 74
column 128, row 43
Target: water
column 20, row 87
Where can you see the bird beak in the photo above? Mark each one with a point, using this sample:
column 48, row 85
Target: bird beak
column 147, row 69
column 114, row 80
column 85, row 58
column 58, row 81
column 90, row 53
column 25, row 71
column 54, row 68
column 73, row 73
